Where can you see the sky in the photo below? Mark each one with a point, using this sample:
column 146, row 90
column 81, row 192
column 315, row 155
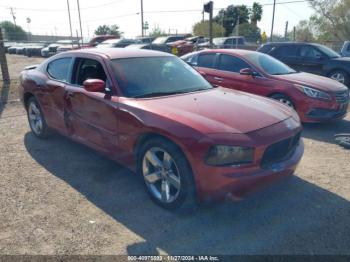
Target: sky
column 51, row 16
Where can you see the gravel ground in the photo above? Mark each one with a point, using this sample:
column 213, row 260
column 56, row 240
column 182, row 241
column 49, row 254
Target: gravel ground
column 59, row 197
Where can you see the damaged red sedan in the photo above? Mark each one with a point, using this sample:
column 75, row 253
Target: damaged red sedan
column 159, row 117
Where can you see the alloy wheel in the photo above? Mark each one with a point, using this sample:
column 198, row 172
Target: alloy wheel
column 287, row 102
column 161, row 175
column 338, row 77
column 35, row 118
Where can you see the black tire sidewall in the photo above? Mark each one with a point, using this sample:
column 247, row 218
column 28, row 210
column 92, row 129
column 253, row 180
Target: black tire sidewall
column 44, row 132
column 187, row 195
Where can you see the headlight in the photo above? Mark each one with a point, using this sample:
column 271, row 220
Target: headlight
column 314, row 93
column 221, row 155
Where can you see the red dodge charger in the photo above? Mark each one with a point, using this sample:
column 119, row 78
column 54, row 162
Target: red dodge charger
column 158, row 116
column 315, row 98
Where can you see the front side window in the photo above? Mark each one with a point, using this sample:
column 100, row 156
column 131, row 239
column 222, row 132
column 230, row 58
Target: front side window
column 206, row 60
column 156, row 76
column 231, row 63
column 59, row 69
column 88, row 69
column 309, row 52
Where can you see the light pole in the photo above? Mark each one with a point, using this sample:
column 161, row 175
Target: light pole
column 81, row 29
column 70, row 23
column 142, row 31
column 273, row 19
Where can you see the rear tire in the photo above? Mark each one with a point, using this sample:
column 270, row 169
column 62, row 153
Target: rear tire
column 167, row 175
column 36, row 118
column 284, row 100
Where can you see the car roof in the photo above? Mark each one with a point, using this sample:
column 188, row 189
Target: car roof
column 115, row 53
column 238, row 52
column 290, row 43
column 111, row 41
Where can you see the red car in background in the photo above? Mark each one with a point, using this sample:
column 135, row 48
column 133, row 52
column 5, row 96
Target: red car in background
column 314, row 97
column 158, row 116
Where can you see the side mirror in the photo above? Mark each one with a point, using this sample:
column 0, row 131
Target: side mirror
column 94, row 85
column 247, row 72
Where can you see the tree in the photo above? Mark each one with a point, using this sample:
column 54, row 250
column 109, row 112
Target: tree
column 108, row 30
column 228, row 17
column 303, row 32
column 250, row 31
column 256, row 13
column 202, row 29
column 156, row 31
column 12, row 31
column 332, row 18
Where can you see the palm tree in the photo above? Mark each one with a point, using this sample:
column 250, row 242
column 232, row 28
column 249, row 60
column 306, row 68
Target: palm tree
column 256, row 13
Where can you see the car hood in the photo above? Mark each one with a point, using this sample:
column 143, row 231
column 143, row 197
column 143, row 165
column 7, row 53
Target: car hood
column 316, row 81
column 219, row 110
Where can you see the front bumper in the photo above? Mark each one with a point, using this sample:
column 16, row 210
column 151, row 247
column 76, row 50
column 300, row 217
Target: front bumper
column 214, row 182
column 312, row 110
column 236, row 185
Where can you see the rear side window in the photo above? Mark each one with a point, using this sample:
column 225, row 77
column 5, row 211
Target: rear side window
column 231, row 63
column 59, row 68
column 286, row 51
column 206, row 60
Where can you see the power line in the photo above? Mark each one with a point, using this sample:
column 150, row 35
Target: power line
column 161, row 11
column 63, row 10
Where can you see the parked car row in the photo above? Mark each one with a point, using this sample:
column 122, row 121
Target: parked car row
column 214, row 124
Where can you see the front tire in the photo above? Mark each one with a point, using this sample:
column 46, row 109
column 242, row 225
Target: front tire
column 167, row 175
column 36, row 118
column 284, row 100
column 340, row 76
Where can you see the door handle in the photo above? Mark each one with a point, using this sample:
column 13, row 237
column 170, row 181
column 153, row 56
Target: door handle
column 218, row 78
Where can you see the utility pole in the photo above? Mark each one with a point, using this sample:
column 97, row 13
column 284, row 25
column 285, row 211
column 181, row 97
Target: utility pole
column 142, row 31
column 70, row 23
column 286, row 31
column 81, row 29
column 208, row 8
column 294, row 34
column 13, row 16
column 237, row 31
column 273, row 19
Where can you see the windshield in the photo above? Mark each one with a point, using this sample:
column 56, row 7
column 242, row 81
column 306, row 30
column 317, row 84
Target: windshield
column 156, row 76
column 269, row 64
column 160, row 40
column 329, row 52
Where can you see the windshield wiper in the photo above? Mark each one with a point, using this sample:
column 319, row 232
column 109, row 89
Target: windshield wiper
column 155, row 94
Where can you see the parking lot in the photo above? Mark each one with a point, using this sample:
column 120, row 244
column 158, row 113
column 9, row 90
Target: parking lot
column 59, row 197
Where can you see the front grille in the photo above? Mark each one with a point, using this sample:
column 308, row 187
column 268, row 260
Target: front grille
column 342, row 97
column 279, row 151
